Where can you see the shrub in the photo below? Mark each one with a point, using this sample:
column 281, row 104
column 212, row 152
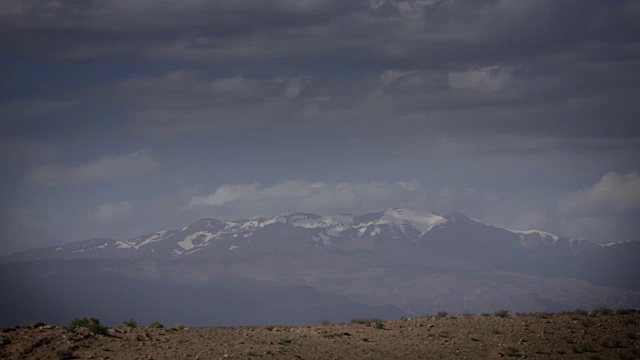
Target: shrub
column 502, row 313
column 91, row 323
column 602, row 311
column 367, row 321
column 626, row 311
column 156, row 325
column 512, row 351
column 130, row 323
column 64, row 354
column 442, row 314
column 181, row 326
column 325, row 322
column 379, row 325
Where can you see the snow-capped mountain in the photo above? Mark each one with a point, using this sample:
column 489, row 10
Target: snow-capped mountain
column 419, row 262
column 452, row 234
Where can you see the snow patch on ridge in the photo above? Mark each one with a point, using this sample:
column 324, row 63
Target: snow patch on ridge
column 400, row 218
column 540, row 233
column 187, row 242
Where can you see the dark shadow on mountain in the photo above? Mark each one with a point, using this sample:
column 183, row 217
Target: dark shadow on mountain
column 58, row 291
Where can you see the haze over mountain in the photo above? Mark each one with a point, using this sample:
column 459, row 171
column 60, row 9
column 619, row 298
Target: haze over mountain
column 390, row 263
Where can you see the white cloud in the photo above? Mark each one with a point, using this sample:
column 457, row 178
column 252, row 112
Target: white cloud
column 243, row 200
column 320, row 197
column 109, row 213
column 225, row 194
column 606, row 211
column 106, row 168
column 613, row 194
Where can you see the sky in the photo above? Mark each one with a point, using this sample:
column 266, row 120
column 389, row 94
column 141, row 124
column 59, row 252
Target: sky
column 123, row 117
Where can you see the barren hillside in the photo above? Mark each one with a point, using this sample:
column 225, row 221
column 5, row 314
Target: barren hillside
column 577, row 335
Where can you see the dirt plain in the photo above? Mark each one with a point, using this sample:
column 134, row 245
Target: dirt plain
column 531, row 336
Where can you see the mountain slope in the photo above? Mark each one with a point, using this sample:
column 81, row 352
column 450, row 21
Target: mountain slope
column 451, row 234
column 416, row 261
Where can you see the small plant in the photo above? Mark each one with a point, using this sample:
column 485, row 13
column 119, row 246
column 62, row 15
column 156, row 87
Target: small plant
column 156, row 325
column 367, row 321
column 542, row 315
column 325, row 322
column 586, row 322
column 180, row 326
column 379, row 325
column 64, row 354
column 91, row 323
column 503, row 313
column 588, row 348
column 511, row 351
column 626, row 311
column 130, row 323
column 602, row 311
column 442, row 314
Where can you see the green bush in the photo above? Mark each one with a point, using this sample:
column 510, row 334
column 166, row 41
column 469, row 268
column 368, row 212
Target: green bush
column 130, row 323
column 91, row 323
column 156, row 325
column 366, row 321
column 502, row 313
column 602, row 311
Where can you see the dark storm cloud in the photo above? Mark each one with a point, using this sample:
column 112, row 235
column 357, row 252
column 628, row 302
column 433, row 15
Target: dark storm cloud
column 415, row 33
column 514, row 67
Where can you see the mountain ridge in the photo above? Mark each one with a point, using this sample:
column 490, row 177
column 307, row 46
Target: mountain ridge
column 305, row 230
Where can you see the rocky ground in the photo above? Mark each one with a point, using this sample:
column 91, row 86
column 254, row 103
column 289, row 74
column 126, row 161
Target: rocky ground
column 575, row 335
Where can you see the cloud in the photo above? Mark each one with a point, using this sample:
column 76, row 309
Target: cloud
column 485, row 111
column 605, row 211
column 489, row 79
column 375, row 69
column 614, row 194
column 109, row 213
column 300, row 195
column 242, row 200
column 106, row 168
column 394, row 33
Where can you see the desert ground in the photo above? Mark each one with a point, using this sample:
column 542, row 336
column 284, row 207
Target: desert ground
column 575, row 335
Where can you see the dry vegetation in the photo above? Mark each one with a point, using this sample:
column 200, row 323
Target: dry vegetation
column 600, row 334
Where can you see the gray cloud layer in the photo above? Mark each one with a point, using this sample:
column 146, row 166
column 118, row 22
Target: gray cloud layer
column 541, row 68
column 103, row 169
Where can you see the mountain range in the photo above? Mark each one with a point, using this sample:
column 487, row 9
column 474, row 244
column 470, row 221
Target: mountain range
column 390, row 263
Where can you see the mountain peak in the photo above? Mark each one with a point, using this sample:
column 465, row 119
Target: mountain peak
column 456, row 216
